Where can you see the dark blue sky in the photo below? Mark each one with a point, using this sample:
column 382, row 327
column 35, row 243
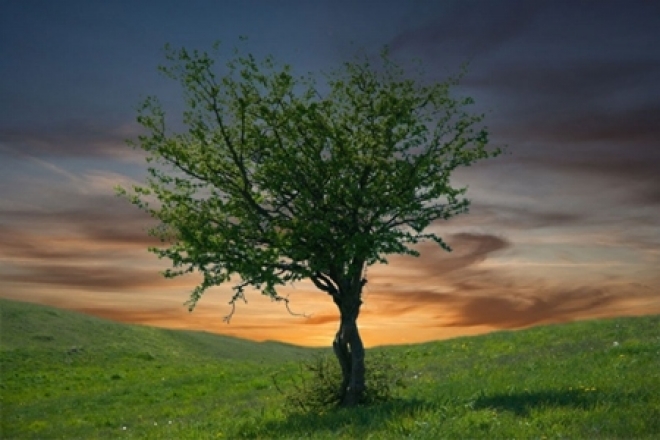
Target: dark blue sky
column 565, row 226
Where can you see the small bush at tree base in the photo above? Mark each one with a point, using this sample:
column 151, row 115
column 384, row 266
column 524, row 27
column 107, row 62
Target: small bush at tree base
column 316, row 388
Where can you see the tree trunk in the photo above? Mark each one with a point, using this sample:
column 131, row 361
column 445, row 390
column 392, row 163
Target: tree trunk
column 349, row 350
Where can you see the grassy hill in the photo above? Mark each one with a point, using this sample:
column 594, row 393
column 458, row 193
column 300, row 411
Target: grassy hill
column 36, row 329
column 67, row 375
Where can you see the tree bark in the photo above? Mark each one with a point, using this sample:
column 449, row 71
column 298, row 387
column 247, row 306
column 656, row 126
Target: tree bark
column 349, row 350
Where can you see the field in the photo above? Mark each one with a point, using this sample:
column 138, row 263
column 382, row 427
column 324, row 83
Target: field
column 66, row 375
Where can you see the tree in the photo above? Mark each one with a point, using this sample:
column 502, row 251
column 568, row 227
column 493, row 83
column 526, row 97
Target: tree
column 278, row 178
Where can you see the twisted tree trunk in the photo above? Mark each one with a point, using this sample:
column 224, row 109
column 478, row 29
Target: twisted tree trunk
column 349, row 349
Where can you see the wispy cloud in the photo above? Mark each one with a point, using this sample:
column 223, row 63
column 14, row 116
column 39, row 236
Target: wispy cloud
column 80, row 139
column 468, row 28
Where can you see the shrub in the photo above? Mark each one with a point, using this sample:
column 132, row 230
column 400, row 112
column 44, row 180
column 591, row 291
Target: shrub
column 316, row 387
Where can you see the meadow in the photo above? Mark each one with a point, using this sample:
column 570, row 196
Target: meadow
column 66, row 375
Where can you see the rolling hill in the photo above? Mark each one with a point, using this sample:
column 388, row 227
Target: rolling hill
column 68, row 375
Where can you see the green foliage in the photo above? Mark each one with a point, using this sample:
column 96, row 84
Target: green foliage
column 278, row 178
column 316, row 388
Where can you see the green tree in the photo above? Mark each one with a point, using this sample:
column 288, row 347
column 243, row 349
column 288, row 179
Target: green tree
column 279, row 178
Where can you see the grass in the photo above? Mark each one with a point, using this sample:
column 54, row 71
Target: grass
column 67, row 375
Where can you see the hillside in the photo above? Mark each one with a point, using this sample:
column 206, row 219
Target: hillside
column 34, row 328
column 67, row 375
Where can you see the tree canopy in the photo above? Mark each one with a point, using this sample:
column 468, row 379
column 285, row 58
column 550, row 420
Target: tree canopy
column 279, row 177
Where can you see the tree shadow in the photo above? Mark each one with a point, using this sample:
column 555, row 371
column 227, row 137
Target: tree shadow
column 360, row 419
column 523, row 403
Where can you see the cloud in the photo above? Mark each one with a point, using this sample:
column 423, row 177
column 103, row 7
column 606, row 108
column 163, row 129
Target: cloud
column 468, row 249
column 92, row 277
column 576, row 110
column 623, row 128
column 516, row 311
column 494, row 216
column 91, row 246
column 552, row 306
column 468, row 28
column 79, row 139
column 627, row 177
column 455, row 290
column 107, row 220
column 483, row 298
column 322, row 319
column 575, row 82
column 21, row 245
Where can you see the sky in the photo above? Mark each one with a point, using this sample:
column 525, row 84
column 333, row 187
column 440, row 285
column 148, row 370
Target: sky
column 562, row 227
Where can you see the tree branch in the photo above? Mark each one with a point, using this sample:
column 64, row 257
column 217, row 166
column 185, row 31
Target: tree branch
column 239, row 294
column 278, row 298
column 325, row 284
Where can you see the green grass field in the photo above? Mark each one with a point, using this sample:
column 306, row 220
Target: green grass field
column 67, row 375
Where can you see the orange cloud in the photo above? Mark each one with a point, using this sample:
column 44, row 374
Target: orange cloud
column 94, row 261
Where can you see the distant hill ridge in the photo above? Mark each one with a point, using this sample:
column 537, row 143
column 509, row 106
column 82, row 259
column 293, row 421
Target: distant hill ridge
column 28, row 326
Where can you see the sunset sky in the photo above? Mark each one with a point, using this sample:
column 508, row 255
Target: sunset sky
column 565, row 226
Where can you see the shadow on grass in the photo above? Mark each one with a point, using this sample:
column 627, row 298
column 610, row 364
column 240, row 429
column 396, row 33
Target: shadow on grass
column 524, row 402
column 355, row 421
